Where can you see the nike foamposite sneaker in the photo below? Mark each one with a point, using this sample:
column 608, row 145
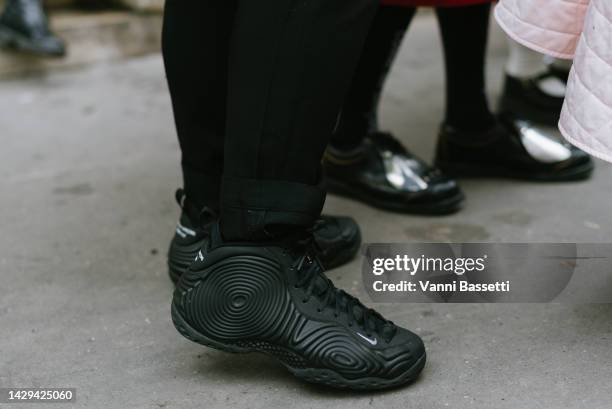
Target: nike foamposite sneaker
column 275, row 299
column 337, row 239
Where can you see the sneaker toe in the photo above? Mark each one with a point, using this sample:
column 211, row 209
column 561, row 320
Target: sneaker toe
column 405, row 354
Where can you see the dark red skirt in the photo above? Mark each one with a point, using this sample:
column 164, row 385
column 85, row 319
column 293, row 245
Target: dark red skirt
column 433, row 3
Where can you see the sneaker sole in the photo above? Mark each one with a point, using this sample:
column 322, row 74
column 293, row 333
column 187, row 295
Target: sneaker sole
column 253, row 321
column 448, row 205
column 313, row 375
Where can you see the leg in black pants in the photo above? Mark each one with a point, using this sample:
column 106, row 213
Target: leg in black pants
column 196, row 40
column 256, row 91
column 283, row 89
column 257, row 285
column 360, row 110
column 290, row 66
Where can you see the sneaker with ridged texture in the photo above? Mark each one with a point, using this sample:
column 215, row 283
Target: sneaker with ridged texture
column 274, row 298
column 337, row 238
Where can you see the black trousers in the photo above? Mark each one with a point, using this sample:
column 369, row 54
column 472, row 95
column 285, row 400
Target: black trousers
column 256, row 89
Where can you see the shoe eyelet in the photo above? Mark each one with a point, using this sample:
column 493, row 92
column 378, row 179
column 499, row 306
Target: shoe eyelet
column 318, row 310
column 304, row 301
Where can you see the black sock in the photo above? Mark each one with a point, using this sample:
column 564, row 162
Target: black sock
column 464, row 34
column 360, row 111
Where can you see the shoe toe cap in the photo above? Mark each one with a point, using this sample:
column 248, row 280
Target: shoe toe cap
column 406, row 353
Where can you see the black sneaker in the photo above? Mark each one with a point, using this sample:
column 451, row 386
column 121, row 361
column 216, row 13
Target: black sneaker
column 337, row 239
column 384, row 174
column 512, row 149
column 274, row 298
column 24, row 26
column 525, row 99
column 192, row 231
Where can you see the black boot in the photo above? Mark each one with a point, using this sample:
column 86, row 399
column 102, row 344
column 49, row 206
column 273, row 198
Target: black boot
column 337, row 239
column 511, row 148
column 273, row 298
column 24, row 26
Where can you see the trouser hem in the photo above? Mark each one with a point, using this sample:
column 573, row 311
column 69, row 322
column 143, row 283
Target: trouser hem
column 263, row 209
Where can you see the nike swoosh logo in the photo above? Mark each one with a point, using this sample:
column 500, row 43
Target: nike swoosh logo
column 373, row 342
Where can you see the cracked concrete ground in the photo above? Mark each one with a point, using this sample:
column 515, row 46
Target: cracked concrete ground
column 89, row 164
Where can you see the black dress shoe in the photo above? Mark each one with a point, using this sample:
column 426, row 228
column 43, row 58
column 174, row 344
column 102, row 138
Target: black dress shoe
column 511, row 148
column 525, row 99
column 24, row 26
column 384, row 174
column 274, row 299
column 336, row 239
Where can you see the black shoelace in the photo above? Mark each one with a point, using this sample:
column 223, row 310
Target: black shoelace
column 316, row 284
